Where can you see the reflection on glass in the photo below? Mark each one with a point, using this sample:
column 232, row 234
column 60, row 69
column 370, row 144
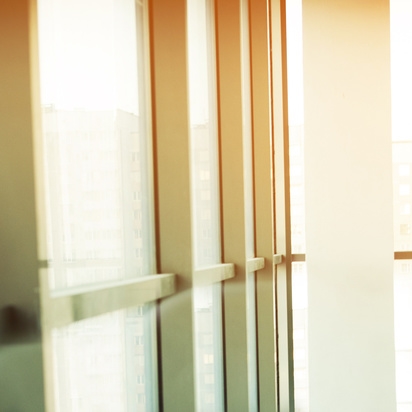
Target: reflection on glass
column 95, row 139
column 300, row 335
column 96, row 144
column 205, row 203
column 102, row 363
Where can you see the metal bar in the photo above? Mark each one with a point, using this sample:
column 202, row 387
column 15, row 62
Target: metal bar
column 298, row 257
column 277, row 259
column 214, row 274
column 403, row 255
column 232, row 144
column 283, row 220
column 168, row 38
column 71, row 305
column 254, row 264
column 261, row 83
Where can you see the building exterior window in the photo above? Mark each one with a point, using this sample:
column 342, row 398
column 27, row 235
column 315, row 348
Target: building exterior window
column 405, row 229
column 404, row 189
column 404, row 170
column 406, row 209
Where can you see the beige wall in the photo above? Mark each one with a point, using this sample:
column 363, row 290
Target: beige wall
column 349, row 205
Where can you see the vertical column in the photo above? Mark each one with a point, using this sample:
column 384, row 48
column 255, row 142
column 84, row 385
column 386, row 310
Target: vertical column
column 19, row 245
column 264, row 202
column 349, row 205
column 282, row 207
column 232, row 198
column 18, row 250
column 173, row 211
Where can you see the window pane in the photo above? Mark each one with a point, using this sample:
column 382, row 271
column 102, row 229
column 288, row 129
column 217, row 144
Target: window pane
column 296, row 136
column 98, row 184
column 403, row 332
column 300, row 335
column 205, row 202
column 102, row 364
column 402, row 159
column 95, row 140
column 208, row 348
column 203, row 133
column 401, row 65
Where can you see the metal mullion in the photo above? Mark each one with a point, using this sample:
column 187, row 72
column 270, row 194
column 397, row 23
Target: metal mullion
column 172, row 201
column 213, row 274
column 263, row 200
column 21, row 242
column 283, row 226
column 232, row 201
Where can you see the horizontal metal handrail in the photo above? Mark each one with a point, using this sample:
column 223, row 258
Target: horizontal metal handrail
column 213, row 274
column 60, row 308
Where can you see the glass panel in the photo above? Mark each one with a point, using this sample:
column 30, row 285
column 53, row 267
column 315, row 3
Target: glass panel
column 95, row 140
column 403, row 332
column 300, row 335
column 402, row 196
column 102, row 363
column 205, row 202
column 203, row 133
column 296, row 137
column 401, row 64
column 401, row 88
column 208, row 348
column 251, row 340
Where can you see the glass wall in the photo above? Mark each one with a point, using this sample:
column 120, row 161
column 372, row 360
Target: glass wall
column 403, row 333
column 98, row 183
column 401, row 65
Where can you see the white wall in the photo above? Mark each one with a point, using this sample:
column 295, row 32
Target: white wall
column 349, row 205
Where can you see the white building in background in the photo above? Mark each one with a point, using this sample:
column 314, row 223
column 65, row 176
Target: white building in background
column 97, row 218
